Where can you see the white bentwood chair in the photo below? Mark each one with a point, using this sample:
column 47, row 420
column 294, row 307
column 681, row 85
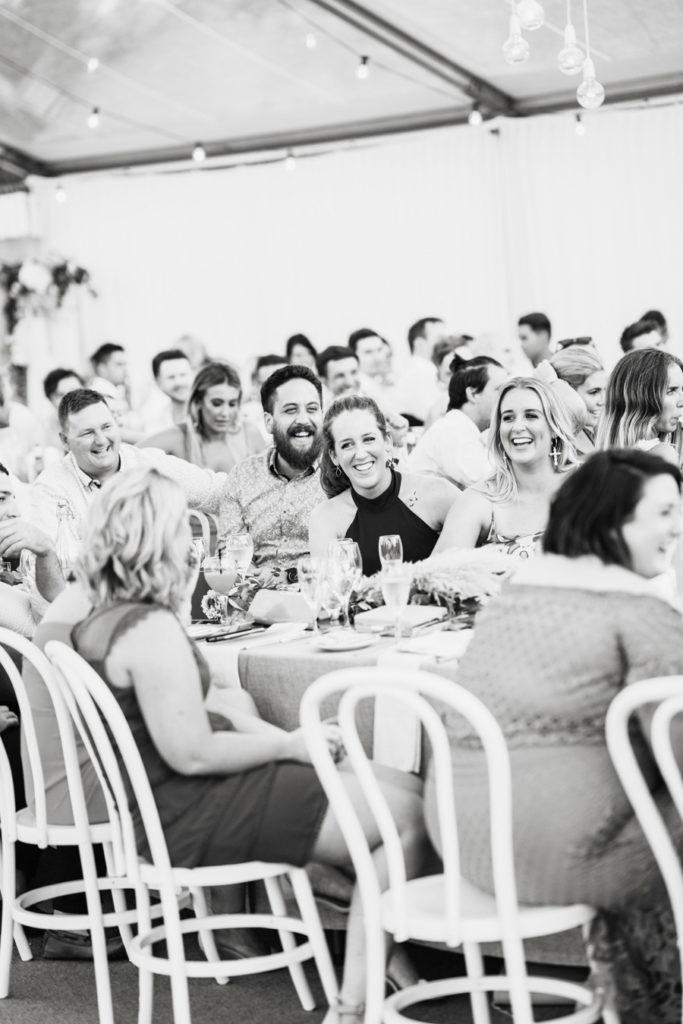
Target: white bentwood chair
column 665, row 693
column 441, row 908
column 33, row 827
column 208, row 524
column 91, row 704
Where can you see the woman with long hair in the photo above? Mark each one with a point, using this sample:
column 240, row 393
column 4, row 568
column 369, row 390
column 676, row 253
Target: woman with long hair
column 531, row 447
column 368, row 498
column 214, row 434
column 571, row 629
column 580, row 366
column 644, row 404
column 226, row 791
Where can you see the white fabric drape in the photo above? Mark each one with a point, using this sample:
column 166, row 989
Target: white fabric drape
column 472, row 226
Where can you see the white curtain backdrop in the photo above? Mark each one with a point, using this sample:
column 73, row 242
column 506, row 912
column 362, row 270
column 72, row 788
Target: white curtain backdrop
column 473, row 226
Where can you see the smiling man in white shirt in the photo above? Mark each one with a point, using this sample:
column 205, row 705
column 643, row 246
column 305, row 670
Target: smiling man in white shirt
column 454, row 446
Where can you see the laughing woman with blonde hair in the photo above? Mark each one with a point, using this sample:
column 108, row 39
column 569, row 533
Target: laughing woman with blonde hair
column 240, row 792
column 531, row 449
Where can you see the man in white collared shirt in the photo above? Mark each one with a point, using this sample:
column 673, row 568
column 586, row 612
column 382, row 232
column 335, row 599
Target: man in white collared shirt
column 454, row 446
column 417, row 389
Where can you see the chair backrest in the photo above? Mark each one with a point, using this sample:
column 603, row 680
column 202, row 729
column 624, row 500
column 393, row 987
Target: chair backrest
column 666, row 694
column 32, row 760
column 416, row 690
column 91, row 704
column 202, row 520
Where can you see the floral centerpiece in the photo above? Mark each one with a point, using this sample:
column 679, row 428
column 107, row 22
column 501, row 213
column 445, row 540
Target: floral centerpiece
column 35, row 287
column 245, row 589
column 458, row 580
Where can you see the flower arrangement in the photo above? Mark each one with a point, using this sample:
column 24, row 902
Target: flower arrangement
column 37, row 288
column 243, row 592
column 461, row 581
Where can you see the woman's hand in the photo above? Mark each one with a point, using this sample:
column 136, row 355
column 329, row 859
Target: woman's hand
column 296, row 748
column 7, row 718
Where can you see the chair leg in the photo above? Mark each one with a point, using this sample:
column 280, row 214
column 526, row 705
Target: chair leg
column 21, row 942
column 475, row 969
column 117, row 897
column 7, row 888
column 176, row 956
column 145, row 977
column 205, row 935
column 309, row 915
column 97, row 936
column 296, row 971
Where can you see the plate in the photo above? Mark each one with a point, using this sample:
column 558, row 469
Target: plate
column 344, row 640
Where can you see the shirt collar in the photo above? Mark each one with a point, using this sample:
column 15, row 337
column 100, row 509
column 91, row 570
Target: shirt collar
column 87, row 482
column 272, row 467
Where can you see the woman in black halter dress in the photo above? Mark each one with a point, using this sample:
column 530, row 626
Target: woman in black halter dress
column 368, row 497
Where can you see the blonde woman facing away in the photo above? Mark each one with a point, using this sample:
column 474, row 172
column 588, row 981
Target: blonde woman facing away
column 644, row 404
column 531, row 448
column 229, row 791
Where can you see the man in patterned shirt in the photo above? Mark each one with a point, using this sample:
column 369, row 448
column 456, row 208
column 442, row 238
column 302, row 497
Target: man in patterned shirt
column 271, row 495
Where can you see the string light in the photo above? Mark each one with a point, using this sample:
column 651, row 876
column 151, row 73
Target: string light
column 363, row 69
column 530, row 14
column 94, row 118
column 290, row 163
column 198, row 153
column 60, row 194
column 475, row 116
column 580, row 127
column 93, row 64
column 515, row 48
column 590, row 93
column 311, row 41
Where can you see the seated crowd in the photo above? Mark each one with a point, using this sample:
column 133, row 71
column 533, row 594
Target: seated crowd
column 571, row 470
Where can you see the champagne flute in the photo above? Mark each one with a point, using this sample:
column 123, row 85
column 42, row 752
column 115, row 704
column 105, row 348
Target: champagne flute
column 348, row 562
column 397, row 578
column 390, row 549
column 309, row 571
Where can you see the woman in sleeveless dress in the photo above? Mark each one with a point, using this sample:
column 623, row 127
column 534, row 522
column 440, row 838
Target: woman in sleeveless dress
column 213, row 435
column 368, row 498
column 226, row 791
column 531, row 448
column 644, row 404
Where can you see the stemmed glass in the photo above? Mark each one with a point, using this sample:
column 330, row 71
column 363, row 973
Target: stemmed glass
column 390, row 549
column 397, row 578
column 237, row 550
column 221, row 579
column 310, row 571
column 345, row 567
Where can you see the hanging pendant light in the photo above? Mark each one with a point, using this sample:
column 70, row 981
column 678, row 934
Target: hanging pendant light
column 571, row 57
column 530, row 14
column 515, row 48
column 590, row 93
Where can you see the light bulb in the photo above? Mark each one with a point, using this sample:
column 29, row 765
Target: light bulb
column 571, row 57
column 94, row 118
column 590, row 93
column 580, row 128
column 60, row 194
column 531, row 14
column 515, row 48
column 92, row 64
column 311, row 41
column 290, row 162
column 475, row 117
column 198, row 153
column 363, row 69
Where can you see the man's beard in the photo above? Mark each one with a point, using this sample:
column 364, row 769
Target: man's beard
column 297, row 458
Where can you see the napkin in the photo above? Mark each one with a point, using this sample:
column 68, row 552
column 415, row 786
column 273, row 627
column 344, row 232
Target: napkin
column 440, row 646
column 411, row 616
column 271, row 606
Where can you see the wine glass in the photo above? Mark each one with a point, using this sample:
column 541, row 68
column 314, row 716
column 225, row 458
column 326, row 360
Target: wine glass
column 346, row 568
column 237, row 549
column 390, row 549
column 309, row 571
column 221, row 579
column 397, row 578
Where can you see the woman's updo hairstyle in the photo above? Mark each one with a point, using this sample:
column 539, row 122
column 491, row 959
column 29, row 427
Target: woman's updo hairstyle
column 332, row 477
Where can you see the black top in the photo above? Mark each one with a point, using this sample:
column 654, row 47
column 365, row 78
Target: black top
column 387, row 514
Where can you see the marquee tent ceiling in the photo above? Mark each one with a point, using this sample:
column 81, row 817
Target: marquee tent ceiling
column 238, row 76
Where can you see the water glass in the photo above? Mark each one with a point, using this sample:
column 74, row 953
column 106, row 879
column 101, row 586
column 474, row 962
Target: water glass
column 310, row 572
column 397, row 579
column 390, row 549
column 237, row 549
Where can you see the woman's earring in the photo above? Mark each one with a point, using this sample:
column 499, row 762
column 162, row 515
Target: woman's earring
column 389, row 463
column 556, row 452
column 337, row 471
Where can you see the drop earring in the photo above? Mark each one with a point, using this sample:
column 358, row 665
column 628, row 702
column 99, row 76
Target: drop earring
column 337, row 471
column 556, row 452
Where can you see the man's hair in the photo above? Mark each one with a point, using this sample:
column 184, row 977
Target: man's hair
column 281, row 376
column 54, row 378
column 74, row 401
column 332, row 354
column 536, row 321
column 636, row 330
column 270, row 360
column 3, row 469
column 104, row 353
column 468, row 373
column 419, row 328
column 360, row 335
column 657, row 316
column 588, row 512
column 299, row 339
column 165, row 357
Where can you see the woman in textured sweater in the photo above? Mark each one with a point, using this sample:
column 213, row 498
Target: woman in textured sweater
column 572, row 628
